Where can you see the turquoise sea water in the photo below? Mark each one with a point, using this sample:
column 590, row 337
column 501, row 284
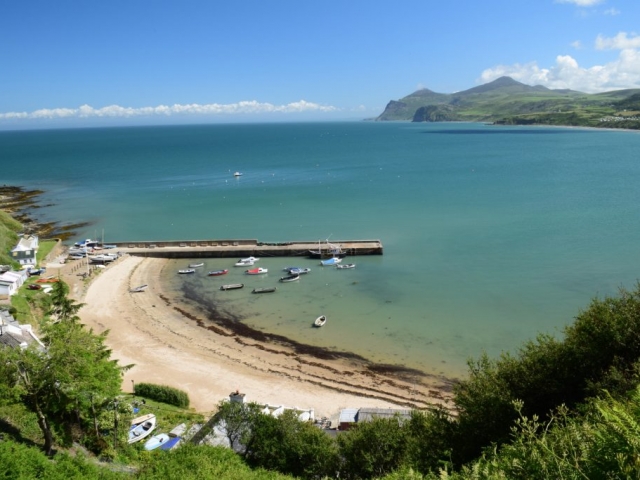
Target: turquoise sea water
column 491, row 234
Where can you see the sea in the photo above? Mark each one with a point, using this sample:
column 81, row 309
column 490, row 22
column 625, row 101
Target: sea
column 491, row 234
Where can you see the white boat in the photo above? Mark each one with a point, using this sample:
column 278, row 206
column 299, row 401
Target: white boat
column 243, row 263
column 141, row 419
column 330, row 261
column 186, row 271
column 346, row 265
column 331, row 250
column 196, row 265
column 156, row 441
column 320, row 321
column 249, row 259
column 290, row 278
column 141, row 288
column 299, row 271
column 237, row 174
column 142, row 430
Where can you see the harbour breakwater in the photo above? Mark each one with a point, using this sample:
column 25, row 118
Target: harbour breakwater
column 243, row 248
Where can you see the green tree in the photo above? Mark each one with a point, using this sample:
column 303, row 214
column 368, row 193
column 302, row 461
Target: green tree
column 237, row 419
column 429, row 439
column 67, row 380
column 290, row 446
column 373, row 449
column 63, row 308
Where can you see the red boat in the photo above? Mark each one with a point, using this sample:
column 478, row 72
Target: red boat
column 215, row 273
column 256, row 271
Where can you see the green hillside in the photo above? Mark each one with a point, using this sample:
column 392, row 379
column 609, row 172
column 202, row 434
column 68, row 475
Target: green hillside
column 506, row 101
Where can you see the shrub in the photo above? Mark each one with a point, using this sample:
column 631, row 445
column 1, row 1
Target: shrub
column 162, row 393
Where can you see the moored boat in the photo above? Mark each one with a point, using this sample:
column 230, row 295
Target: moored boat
column 232, row 286
column 186, row 271
column 320, row 321
column 290, row 278
column 249, row 259
column 346, row 265
column 243, row 263
column 330, row 261
column 216, row 273
column 196, row 265
column 264, row 290
column 299, row 271
column 256, row 271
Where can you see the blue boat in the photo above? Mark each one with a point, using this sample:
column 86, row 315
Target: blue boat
column 172, row 443
column 330, row 261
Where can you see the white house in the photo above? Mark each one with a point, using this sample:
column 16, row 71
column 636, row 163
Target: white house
column 12, row 334
column 26, row 250
column 11, row 281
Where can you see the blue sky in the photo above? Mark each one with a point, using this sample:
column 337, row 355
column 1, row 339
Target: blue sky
column 84, row 63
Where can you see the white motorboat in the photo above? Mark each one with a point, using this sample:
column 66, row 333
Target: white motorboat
column 320, row 321
column 243, row 263
column 346, row 265
column 186, row 271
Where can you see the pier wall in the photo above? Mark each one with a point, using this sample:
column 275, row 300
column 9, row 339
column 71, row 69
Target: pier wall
column 240, row 248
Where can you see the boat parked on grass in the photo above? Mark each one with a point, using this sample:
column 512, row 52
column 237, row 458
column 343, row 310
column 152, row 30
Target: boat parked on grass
column 216, row 273
column 320, row 321
column 264, row 290
column 290, row 278
column 232, row 286
column 156, row 441
column 346, row 265
column 172, row 443
column 186, row 271
column 143, row 429
column 256, row 271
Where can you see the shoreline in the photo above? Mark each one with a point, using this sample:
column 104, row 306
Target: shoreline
column 171, row 344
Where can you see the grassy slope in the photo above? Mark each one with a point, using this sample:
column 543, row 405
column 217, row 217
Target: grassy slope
column 9, row 229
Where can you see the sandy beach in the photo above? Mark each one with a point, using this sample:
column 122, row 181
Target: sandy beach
column 172, row 346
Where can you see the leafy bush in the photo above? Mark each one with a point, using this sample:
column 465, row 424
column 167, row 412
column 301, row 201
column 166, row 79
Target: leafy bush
column 162, row 393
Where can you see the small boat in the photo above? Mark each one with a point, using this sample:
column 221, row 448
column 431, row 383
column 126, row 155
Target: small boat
column 330, row 261
column 256, row 271
column 156, row 441
column 216, row 273
column 186, row 271
column 171, row 444
column 141, row 288
column 288, row 269
column 142, row 430
column 232, row 286
column 331, row 250
column 196, row 265
column 178, row 430
column 249, row 259
column 264, row 290
column 290, row 278
column 242, row 263
column 346, row 265
column 320, row 321
column 141, row 419
column 237, row 174
column 299, row 271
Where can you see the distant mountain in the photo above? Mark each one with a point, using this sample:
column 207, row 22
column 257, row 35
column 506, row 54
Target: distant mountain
column 507, row 101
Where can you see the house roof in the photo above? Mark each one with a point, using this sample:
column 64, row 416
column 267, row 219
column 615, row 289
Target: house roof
column 27, row 242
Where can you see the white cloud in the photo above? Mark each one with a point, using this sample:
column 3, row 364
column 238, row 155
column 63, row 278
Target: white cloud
column 577, row 44
column 582, row 3
column 116, row 111
column 620, row 42
column 621, row 73
column 612, row 11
